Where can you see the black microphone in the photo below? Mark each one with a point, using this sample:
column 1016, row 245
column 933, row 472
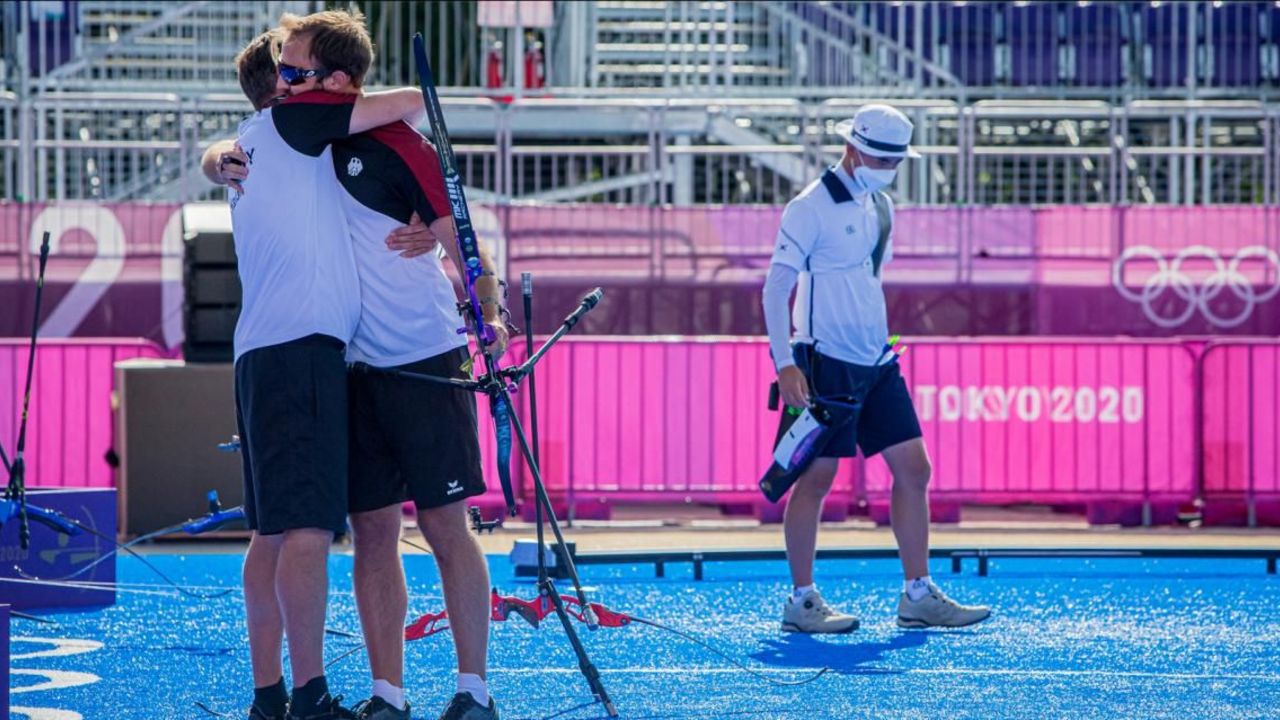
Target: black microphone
column 588, row 302
column 591, row 298
column 526, row 283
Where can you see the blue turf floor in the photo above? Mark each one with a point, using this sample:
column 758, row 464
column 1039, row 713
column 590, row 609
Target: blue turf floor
column 1069, row 639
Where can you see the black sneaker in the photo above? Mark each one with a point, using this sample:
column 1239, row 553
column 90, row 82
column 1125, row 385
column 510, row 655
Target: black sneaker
column 464, row 707
column 328, row 708
column 375, row 708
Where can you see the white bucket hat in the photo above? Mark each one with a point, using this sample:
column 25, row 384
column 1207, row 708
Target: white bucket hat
column 879, row 130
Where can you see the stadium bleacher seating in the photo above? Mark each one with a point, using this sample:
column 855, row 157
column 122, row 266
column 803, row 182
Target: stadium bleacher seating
column 112, row 99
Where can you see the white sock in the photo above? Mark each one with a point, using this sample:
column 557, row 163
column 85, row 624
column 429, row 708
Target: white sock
column 474, row 684
column 802, row 591
column 392, row 694
column 918, row 588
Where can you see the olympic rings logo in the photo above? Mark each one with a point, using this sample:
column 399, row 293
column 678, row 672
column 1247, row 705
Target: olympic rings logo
column 1197, row 293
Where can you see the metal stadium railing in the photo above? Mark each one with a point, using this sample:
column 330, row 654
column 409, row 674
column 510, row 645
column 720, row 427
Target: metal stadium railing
column 145, row 146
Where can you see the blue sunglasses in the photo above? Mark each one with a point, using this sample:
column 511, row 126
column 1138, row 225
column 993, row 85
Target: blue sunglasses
column 296, row 75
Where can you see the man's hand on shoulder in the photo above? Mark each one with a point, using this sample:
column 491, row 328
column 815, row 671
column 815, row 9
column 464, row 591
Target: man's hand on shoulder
column 233, row 168
column 219, row 160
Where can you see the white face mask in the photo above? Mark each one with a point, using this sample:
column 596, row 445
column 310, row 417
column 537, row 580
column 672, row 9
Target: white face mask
column 872, row 180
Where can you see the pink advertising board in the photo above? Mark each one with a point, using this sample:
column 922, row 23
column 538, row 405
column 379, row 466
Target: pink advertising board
column 669, row 419
column 1049, row 420
column 1006, row 420
column 1241, row 420
column 70, row 426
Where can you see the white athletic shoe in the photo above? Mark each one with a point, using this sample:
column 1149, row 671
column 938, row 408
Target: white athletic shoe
column 811, row 614
column 938, row 610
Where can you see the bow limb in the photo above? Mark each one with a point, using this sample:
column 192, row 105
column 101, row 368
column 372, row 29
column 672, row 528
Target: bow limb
column 501, row 607
column 604, row 617
column 610, row 618
column 532, row 611
column 427, row 625
column 500, row 409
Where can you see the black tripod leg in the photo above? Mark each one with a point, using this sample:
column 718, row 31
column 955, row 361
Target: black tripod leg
column 588, row 669
column 545, row 585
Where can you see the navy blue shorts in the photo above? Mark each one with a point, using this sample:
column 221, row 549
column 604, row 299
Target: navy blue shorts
column 887, row 417
column 291, row 410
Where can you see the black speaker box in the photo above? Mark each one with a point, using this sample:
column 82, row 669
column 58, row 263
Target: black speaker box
column 211, row 297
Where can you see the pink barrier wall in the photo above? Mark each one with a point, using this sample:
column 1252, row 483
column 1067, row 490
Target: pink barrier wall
column 663, row 419
column 1241, row 420
column 71, row 423
column 1006, row 420
column 699, row 241
column 71, row 426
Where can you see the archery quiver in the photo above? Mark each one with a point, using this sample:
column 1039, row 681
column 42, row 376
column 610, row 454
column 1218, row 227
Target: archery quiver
column 802, row 433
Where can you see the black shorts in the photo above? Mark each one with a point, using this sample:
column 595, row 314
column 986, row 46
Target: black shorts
column 887, row 417
column 291, row 411
column 413, row 439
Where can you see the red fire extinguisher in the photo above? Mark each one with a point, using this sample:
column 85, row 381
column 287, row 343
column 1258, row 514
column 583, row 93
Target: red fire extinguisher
column 493, row 67
column 535, row 67
column 493, row 62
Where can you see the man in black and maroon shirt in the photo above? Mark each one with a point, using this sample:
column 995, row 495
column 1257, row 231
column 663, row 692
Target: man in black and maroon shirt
column 409, row 439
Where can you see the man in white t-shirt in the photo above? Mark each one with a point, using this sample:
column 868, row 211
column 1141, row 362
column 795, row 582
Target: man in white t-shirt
column 301, row 304
column 833, row 243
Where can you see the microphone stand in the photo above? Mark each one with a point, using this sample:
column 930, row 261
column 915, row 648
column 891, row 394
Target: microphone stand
column 499, row 384
column 15, row 493
column 526, row 286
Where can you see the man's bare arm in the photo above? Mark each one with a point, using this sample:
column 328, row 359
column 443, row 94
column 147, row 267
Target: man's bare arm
column 381, row 108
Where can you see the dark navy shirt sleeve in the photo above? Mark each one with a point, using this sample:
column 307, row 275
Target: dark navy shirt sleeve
column 311, row 121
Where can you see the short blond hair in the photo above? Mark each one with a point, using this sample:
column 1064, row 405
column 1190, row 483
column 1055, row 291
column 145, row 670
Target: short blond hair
column 339, row 40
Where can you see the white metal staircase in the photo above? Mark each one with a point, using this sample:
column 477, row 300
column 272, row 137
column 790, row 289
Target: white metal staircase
column 655, row 44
